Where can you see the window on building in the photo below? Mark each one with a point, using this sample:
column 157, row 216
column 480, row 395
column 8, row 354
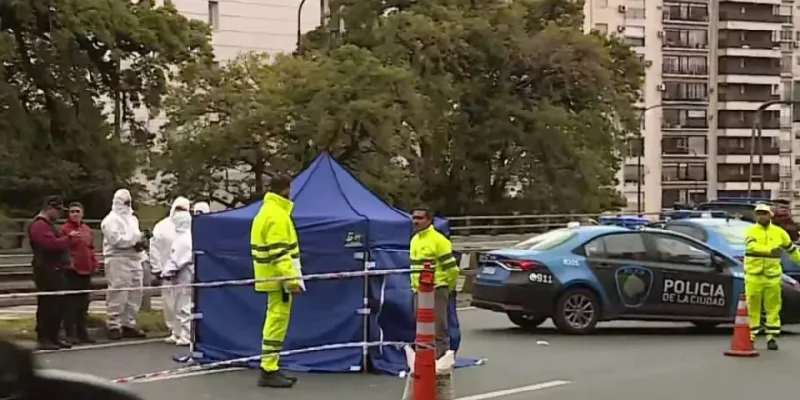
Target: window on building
column 683, row 172
column 686, row 38
column 686, row 12
column 635, row 13
column 635, row 147
column 602, row 28
column 213, row 14
column 634, row 35
column 685, row 65
column 683, row 145
column 683, row 118
column 786, row 35
column 631, row 171
column 688, row 91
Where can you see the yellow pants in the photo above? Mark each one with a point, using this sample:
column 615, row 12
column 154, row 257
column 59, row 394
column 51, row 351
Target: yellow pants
column 276, row 323
column 767, row 290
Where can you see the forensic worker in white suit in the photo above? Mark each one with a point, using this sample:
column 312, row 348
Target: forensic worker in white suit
column 123, row 247
column 160, row 249
column 179, row 270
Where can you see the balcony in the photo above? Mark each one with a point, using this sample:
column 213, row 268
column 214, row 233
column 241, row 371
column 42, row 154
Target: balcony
column 685, row 92
column 750, row 17
column 681, row 119
column 738, row 146
column 686, row 39
column 683, row 175
column 685, row 13
column 741, row 173
column 741, row 43
column 675, row 66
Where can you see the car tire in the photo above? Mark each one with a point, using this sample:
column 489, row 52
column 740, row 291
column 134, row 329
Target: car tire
column 524, row 320
column 705, row 325
column 568, row 316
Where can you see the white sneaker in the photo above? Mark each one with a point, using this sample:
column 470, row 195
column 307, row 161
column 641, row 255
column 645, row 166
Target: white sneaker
column 171, row 340
column 183, row 342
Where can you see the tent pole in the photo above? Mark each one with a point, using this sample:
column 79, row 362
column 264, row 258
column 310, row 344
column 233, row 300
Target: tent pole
column 366, row 314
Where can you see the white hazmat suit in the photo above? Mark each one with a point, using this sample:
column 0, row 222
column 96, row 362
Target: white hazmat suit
column 201, row 207
column 160, row 248
column 123, row 266
column 179, row 270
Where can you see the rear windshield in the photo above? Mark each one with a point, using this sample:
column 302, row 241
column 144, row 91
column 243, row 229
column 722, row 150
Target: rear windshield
column 546, row 241
column 734, row 231
column 744, row 210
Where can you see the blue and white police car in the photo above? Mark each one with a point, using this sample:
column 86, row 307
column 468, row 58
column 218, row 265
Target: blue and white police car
column 584, row 275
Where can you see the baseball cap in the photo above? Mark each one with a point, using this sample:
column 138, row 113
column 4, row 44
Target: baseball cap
column 761, row 207
column 54, row 201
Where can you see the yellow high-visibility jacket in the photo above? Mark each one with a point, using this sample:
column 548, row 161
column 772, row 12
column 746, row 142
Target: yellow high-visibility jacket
column 431, row 246
column 761, row 256
column 273, row 243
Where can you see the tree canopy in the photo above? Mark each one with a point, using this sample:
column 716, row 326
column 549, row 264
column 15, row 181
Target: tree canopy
column 62, row 65
column 469, row 107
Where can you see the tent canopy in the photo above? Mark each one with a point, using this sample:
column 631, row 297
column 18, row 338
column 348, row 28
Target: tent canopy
column 342, row 226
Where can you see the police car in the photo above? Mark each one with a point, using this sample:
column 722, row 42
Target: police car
column 581, row 276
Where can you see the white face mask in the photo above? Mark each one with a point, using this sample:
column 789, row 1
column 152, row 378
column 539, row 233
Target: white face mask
column 182, row 220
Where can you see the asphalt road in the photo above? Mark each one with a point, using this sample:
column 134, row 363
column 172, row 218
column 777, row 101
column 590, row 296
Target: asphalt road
column 623, row 361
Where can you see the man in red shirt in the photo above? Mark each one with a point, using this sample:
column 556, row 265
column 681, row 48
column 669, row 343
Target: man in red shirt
column 50, row 257
column 78, row 276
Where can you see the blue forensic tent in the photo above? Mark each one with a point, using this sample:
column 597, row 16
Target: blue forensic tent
column 342, row 226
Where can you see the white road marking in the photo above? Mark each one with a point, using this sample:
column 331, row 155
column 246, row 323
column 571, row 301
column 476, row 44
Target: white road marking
column 517, row 390
column 103, row 346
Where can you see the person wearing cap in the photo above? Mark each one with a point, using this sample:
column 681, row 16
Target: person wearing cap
column 50, row 258
column 765, row 242
column 79, row 275
column 276, row 254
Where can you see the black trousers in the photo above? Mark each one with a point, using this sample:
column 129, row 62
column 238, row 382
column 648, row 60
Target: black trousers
column 76, row 306
column 49, row 309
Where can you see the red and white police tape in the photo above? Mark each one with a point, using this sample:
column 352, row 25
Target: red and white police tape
column 212, row 284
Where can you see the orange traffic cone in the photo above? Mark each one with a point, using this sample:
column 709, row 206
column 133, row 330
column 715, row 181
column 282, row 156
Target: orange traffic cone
column 741, row 346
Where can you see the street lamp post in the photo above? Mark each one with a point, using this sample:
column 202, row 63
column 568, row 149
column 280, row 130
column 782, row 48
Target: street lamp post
column 300, row 27
column 639, row 166
column 755, row 140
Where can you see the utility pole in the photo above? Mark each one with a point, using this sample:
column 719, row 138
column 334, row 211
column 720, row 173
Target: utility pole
column 755, row 141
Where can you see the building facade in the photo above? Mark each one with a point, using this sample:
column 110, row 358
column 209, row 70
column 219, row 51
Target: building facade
column 709, row 66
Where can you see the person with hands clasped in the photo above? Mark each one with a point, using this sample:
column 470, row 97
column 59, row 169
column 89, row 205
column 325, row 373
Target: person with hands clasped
column 765, row 242
column 160, row 250
column 123, row 246
column 276, row 254
column 179, row 270
column 79, row 275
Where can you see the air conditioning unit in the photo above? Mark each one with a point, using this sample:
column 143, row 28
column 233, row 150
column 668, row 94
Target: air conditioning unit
column 660, row 34
column 648, row 63
column 621, row 28
column 662, row 87
column 623, row 8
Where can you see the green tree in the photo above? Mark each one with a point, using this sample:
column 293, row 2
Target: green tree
column 63, row 62
column 516, row 96
column 231, row 127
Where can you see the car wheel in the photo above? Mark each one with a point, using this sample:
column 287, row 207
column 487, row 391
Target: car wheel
column 577, row 311
column 705, row 325
column 524, row 320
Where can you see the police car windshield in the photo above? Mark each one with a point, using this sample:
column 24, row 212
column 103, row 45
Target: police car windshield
column 733, row 231
column 546, row 241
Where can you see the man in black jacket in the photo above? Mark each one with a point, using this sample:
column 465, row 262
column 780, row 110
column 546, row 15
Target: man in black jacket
column 50, row 258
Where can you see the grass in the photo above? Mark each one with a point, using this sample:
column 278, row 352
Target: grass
column 152, row 322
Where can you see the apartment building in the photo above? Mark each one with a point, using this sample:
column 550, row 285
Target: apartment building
column 709, row 66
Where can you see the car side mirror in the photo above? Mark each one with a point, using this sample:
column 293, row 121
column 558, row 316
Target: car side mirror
column 717, row 262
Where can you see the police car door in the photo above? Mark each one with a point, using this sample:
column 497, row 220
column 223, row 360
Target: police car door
column 619, row 261
column 690, row 285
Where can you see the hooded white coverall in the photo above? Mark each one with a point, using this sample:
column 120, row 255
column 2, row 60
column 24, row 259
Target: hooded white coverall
column 160, row 248
column 123, row 263
column 179, row 270
column 201, row 207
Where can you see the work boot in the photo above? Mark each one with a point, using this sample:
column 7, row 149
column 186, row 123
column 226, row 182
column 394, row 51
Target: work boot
column 47, row 345
column 114, row 334
column 274, row 379
column 772, row 344
column 293, row 379
column 132, row 333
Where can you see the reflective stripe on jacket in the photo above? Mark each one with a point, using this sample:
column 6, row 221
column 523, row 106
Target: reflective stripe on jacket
column 428, row 245
column 273, row 243
column 762, row 250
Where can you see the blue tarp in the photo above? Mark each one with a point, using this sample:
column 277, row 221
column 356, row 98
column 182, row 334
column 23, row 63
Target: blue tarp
column 337, row 220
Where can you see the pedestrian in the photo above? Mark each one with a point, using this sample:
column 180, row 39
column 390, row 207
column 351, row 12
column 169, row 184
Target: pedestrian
column 179, row 270
column 276, row 254
column 79, row 276
column 765, row 242
column 160, row 248
column 201, row 207
column 123, row 244
column 429, row 246
column 50, row 257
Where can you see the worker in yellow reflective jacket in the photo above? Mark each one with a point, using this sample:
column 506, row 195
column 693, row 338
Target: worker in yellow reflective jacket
column 276, row 254
column 429, row 245
column 765, row 242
